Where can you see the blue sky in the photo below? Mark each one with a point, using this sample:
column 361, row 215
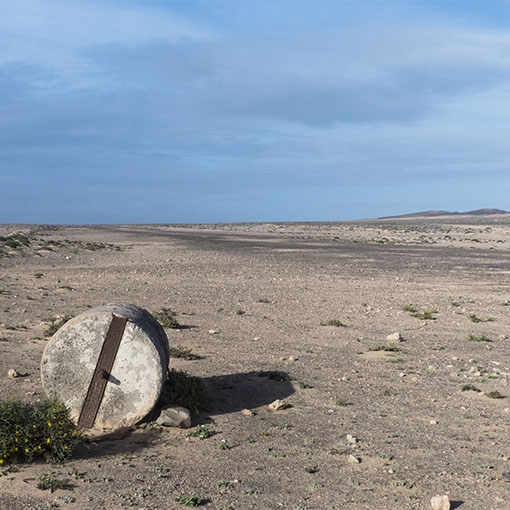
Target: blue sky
column 239, row 110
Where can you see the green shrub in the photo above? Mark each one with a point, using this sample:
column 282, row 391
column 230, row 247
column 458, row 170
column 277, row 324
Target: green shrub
column 185, row 390
column 30, row 430
column 409, row 308
column 470, row 387
column 181, row 352
column 334, row 322
column 388, row 348
column 425, row 315
column 55, row 323
column 275, row 375
column 50, row 482
column 167, row 318
column 478, row 338
column 201, row 431
column 494, row 394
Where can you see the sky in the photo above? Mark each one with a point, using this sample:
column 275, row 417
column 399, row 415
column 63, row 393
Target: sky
column 202, row 111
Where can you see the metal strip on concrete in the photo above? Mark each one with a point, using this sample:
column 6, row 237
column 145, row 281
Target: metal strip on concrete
column 102, row 371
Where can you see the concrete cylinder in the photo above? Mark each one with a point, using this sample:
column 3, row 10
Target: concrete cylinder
column 135, row 381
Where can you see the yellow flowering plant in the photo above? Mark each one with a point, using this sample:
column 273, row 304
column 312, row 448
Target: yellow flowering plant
column 43, row 428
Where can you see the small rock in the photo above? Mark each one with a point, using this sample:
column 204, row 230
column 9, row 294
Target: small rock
column 440, row 503
column 13, row 373
column 278, row 405
column 353, row 460
column 394, row 338
column 433, row 422
column 351, row 439
column 390, row 471
column 507, row 410
column 291, row 359
column 247, row 412
column 174, row 416
column 213, row 331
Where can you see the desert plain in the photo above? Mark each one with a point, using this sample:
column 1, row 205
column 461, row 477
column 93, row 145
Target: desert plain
column 371, row 423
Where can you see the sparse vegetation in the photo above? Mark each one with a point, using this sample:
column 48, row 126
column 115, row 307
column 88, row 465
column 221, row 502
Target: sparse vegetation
column 409, row 308
column 31, row 430
column 48, row 481
column 191, row 500
column 184, row 390
column 201, row 432
column 31, row 243
column 275, row 375
column 335, row 323
column 474, row 318
column 470, row 387
column 342, row 402
column 428, row 316
column 55, row 323
column 181, row 352
column 303, row 385
column 387, row 348
column 494, row 394
column 478, row 338
column 167, row 318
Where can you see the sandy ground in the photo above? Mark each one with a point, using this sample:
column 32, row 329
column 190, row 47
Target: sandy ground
column 265, row 290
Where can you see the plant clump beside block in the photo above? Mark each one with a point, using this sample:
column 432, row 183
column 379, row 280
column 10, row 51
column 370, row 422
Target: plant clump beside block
column 185, row 390
column 31, row 430
column 167, row 318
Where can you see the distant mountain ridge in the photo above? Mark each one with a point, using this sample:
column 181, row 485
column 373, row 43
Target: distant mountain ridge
column 432, row 214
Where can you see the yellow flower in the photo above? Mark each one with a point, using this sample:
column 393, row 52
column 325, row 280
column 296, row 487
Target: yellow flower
column 33, row 426
column 16, row 440
column 48, row 440
column 39, row 447
column 49, row 424
column 26, row 449
column 1, row 461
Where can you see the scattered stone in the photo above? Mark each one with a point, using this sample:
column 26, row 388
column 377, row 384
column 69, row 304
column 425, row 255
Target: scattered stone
column 353, row 460
column 174, row 416
column 278, row 405
column 291, row 359
column 507, row 410
column 394, row 338
column 440, row 503
column 433, row 422
column 213, row 331
column 13, row 373
column 390, row 471
column 247, row 412
column 351, row 439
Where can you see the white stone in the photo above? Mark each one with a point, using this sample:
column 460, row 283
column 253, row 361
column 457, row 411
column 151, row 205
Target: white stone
column 278, row 405
column 353, row 460
column 394, row 338
column 247, row 412
column 351, row 439
column 174, row 416
column 433, row 422
column 440, row 503
column 13, row 373
column 213, row 331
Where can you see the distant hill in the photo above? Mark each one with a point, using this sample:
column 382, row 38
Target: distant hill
column 433, row 214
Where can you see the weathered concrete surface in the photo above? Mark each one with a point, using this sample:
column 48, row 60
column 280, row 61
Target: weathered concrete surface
column 137, row 376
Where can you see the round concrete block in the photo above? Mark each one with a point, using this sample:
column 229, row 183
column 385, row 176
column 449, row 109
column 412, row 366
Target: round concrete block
column 135, row 381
